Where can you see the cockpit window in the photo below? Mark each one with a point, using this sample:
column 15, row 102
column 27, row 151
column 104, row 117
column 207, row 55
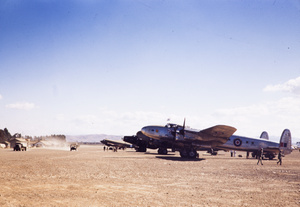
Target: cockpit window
column 169, row 125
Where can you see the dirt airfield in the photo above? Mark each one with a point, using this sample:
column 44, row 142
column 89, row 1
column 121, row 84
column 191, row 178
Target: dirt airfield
column 92, row 177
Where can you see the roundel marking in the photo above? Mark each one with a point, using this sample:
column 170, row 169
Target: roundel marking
column 237, row 142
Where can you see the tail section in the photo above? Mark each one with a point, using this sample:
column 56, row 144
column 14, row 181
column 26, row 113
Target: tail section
column 286, row 142
column 264, row 135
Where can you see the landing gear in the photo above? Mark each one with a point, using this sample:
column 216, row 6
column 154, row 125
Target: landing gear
column 192, row 154
column 183, row 154
column 141, row 149
column 271, row 156
column 212, row 152
column 162, row 151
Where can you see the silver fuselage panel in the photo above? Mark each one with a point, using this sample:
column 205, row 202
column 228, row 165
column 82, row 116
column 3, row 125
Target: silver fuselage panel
column 240, row 143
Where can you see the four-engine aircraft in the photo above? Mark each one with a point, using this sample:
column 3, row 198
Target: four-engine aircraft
column 142, row 142
column 220, row 137
column 188, row 141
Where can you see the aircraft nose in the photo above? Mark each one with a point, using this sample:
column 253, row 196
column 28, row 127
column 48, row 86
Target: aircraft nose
column 144, row 130
column 148, row 130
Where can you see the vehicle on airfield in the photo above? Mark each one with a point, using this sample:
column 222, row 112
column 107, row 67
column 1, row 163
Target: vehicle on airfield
column 189, row 141
column 74, row 146
column 20, row 147
column 298, row 145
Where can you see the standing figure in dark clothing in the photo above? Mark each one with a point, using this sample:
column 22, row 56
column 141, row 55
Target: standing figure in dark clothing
column 259, row 156
column 279, row 158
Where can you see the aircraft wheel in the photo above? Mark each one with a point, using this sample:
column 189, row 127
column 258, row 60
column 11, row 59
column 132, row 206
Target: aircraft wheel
column 192, row 154
column 142, row 149
column 183, row 154
column 162, row 151
column 271, row 157
column 214, row 153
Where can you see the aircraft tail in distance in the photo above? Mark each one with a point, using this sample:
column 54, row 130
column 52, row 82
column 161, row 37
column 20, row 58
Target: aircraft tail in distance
column 285, row 144
column 264, row 135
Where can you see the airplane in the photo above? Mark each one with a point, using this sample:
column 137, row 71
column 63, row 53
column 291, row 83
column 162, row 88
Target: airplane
column 298, row 145
column 270, row 148
column 116, row 144
column 188, row 141
column 142, row 142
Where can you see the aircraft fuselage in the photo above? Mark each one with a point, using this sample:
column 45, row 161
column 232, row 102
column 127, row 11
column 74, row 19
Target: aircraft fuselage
column 240, row 143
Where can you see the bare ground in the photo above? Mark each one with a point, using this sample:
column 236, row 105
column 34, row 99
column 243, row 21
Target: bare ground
column 91, row 177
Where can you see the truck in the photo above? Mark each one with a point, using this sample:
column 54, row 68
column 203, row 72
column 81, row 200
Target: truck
column 74, row 147
column 20, row 147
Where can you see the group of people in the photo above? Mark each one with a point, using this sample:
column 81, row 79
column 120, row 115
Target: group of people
column 115, row 149
column 260, row 154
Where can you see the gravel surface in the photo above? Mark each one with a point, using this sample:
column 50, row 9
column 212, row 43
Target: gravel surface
column 92, row 177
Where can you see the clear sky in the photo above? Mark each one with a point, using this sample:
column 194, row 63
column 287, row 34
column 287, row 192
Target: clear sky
column 90, row 67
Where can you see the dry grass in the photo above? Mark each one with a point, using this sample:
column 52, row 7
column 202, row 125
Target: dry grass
column 91, row 177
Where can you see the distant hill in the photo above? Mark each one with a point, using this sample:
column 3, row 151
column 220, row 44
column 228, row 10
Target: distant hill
column 92, row 137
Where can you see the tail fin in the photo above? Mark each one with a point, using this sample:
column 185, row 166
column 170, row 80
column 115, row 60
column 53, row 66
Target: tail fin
column 264, row 135
column 286, row 142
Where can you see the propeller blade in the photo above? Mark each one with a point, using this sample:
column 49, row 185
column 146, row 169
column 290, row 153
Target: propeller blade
column 183, row 127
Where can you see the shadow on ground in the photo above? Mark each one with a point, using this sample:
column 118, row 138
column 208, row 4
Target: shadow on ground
column 179, row 159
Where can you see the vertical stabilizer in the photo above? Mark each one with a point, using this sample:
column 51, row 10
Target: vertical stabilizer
column 264, row 135
column 285, row 144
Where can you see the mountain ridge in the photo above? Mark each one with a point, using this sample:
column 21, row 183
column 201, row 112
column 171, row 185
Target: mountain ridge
column 92, row 137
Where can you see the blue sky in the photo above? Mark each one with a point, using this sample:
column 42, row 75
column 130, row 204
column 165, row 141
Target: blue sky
column 88, row 67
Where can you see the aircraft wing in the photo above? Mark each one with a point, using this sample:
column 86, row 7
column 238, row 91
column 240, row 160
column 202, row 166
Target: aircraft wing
column 219, row 131
column 115, row 143
column 215, row 135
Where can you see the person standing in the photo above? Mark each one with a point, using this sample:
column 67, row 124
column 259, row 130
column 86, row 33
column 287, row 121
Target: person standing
column 279, row 158
column 259, row 156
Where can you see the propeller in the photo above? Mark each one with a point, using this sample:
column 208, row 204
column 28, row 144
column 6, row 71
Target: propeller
column 176, row 130
column 183, row 127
